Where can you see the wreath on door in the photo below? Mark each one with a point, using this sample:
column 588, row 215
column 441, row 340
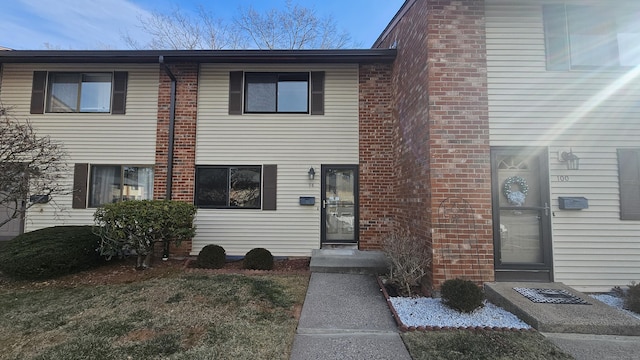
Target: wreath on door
column 515, row 197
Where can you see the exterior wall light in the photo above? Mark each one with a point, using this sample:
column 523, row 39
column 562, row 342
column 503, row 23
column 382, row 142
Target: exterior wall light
column 571, row 159
column 311, row 173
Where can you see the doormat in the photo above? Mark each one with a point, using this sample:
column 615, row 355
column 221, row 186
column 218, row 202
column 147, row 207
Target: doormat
column 550, row 296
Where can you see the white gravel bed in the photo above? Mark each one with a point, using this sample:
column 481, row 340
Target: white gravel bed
column 431, row 312
column 615, row 302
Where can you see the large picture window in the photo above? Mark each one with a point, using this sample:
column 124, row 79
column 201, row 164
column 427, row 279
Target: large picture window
column 584, row 37
column 228, row 187
column 113, row 183
column 79, row 92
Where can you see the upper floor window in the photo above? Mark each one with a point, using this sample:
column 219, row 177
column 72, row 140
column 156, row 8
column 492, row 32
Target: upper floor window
column 582, row 37
column 276, row 92
column 79, row 92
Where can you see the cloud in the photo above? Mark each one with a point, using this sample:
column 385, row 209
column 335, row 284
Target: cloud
column 77, row 24
column 100, row 24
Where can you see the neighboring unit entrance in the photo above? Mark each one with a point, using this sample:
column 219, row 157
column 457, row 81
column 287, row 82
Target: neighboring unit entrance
column 339, row 204
column 521, row 214
column 14, row 227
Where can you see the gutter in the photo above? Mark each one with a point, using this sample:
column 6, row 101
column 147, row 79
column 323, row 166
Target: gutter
column 172, row 125
column 337, row 56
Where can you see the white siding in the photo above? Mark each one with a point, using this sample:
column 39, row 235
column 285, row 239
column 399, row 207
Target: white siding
column 88, row 138
column 592, row 112
column 293, row 142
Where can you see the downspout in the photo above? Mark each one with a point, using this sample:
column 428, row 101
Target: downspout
column 172, row 125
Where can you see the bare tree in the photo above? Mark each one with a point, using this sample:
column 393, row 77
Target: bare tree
column 179, row 30
column 32, row 167
column 294, row 27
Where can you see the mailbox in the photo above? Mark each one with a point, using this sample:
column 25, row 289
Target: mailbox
column 307, row 200
column 39, row 199
column 573, row 202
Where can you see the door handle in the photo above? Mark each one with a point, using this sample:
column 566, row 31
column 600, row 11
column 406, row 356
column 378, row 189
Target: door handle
column 324, row 204
column 546, row 209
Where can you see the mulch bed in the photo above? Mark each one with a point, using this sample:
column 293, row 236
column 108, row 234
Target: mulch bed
column 123, row 271
column 280, row 266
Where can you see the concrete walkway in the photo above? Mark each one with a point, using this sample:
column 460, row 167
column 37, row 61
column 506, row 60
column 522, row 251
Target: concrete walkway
column 596, row 318
column 597, row 347
column 345, row 316
column 586, row 332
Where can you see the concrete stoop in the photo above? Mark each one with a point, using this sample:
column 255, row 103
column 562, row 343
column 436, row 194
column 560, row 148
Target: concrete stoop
column 348, row 261
column 597, row 318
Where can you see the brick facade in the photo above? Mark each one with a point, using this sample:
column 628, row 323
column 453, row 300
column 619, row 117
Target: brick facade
column 184, row 138
column 377, row 181
column 442, row 135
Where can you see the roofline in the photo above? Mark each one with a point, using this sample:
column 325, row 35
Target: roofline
column 199, row 56
column 394, row 21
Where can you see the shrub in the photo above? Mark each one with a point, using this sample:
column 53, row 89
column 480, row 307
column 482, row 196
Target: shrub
column 211, row 257
column 258, row 259
column 632, row 298
column 461, row 295
column 50, row 252
column 409, row 260
column 139, row 224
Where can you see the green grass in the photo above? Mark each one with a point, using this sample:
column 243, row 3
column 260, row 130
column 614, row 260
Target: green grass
column 185, row 316
column 479, row 345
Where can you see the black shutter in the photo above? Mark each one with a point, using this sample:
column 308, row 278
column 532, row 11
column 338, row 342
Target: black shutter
column 119, row 98
column 235, row 93
column 629, row 173
column 317, row 93
column 269, row 186
column 80, row 175
column 38, row 92
column 556, row 37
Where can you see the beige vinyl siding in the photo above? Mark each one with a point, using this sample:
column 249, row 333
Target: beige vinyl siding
column 592, row 112
column 88, row 138
column 294, row 142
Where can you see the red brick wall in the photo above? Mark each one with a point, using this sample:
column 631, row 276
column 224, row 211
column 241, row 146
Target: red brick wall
column 184, row 138
column 377, row 182
column 443, row 163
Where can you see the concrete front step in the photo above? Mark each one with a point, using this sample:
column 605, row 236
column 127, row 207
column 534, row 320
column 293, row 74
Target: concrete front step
column 597, row 318
column 348, row 261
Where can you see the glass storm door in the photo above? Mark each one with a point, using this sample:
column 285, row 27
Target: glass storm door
column 521, row 214
column 339, row 204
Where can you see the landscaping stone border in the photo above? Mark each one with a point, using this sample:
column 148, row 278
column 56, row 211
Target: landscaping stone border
column 404, row 328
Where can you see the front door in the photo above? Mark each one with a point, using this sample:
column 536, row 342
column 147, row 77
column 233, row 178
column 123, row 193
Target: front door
column 521, row 214
column 339, row 204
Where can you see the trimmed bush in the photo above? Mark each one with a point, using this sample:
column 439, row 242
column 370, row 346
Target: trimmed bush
column 258, row 259
column 461, row 295
column 50, row 252
column 211, row 257
column 632, row 298
column 138, row 224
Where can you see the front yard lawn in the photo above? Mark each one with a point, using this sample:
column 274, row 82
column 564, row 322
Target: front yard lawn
column 479, row 345
column 178, row 316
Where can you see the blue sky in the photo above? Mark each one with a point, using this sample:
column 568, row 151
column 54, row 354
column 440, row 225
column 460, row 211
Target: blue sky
column 99, row 24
